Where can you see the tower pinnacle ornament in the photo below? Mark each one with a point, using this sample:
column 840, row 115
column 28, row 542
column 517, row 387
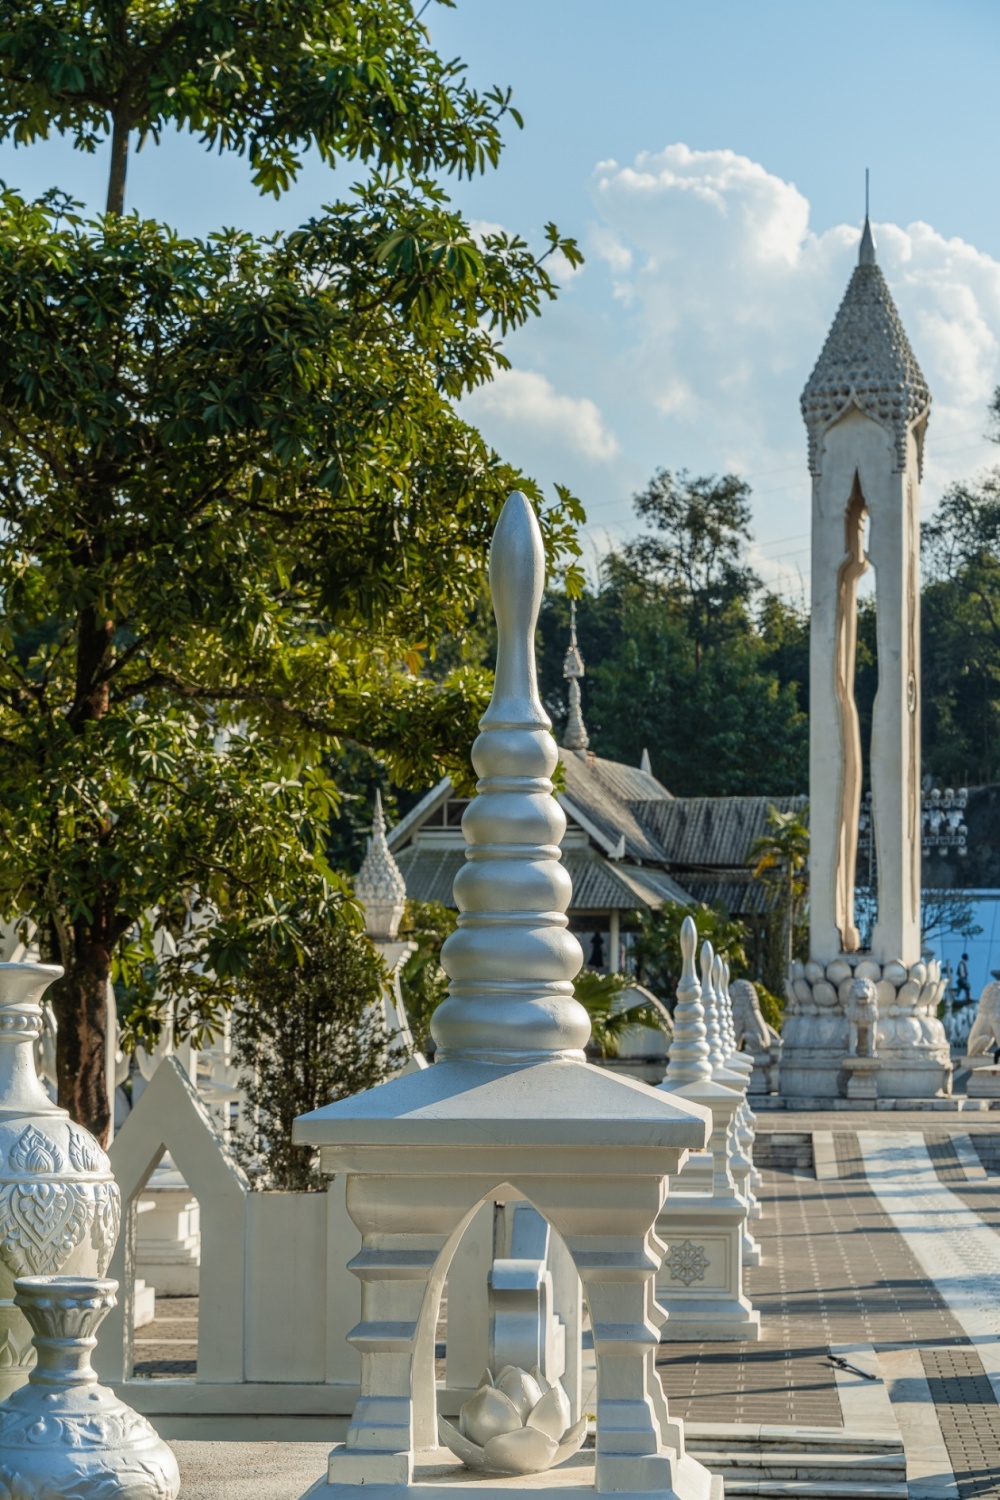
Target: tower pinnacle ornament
column 380, row 887
column 576, row 736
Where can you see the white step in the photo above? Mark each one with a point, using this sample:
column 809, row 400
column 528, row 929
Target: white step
column 780, row 1463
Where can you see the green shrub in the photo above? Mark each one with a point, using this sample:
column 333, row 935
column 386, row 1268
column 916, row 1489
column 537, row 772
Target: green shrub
column 307, row 1031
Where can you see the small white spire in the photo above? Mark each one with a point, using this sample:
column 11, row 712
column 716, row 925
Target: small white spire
column 512, row 959
column 645, row 764
column 689, row 1059
column 576, row 736
column 380, row 887
column 727, row 1031
column 710, row 1002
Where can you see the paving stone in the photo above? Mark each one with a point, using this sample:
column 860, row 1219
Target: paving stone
column 947, row 1163
column 835, row 1272
column 969, row 1419
column 167, row 1348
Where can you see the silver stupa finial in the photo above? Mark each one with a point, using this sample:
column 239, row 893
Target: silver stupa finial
column 512, row 959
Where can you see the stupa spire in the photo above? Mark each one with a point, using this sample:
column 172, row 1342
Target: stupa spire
column 576, row 736
column 689, row 1051
column 380, row 887
column 867, row 248
column 512, row 958
column 867, row 363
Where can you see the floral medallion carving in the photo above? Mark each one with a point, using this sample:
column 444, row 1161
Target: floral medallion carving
column 687, row 1262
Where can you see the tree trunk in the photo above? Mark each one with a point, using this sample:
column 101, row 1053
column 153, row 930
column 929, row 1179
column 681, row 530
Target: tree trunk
column 119, row 164
column 81, row 1008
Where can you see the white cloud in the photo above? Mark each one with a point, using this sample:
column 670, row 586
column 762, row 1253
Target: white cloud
column 707, row 303
column 726, row 295
column 480, row 228
column 526, row 403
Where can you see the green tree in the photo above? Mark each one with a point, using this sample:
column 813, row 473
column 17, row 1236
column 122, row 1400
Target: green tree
column 696, row 550
column 960, row 634
column 724, row 724
column 268, row 79
column 307, row 1030
column 237, row 508
column 658, row 946
column 780, row 859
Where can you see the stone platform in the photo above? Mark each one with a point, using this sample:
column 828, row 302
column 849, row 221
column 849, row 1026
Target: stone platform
column 912, row 1297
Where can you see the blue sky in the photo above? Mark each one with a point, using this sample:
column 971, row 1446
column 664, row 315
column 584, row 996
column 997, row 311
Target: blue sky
column 710, row 159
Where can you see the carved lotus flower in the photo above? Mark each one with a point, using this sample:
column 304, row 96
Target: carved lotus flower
column 517, row 1424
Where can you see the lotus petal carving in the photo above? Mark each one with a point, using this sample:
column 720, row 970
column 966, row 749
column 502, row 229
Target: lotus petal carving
column 517, row 1424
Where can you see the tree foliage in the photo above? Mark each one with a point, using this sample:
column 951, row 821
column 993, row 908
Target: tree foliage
column 237, row 507
column 423, row 982
column 308, row 1030
column 268, row 79
column 696, row 550
column 779, row 858
column 603, row 997
column 961, row 634
column 658, row 946
column 686, row 654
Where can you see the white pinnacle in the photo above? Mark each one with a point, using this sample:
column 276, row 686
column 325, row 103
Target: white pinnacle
column 379, row 886
column 512, row 959
column 689, row 1058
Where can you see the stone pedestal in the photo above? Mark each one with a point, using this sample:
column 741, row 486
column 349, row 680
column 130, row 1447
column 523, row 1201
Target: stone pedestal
column 700, row 1284
column 862, row 1077
column 509, row 1109
column 913, row 1050
column 984, row 1083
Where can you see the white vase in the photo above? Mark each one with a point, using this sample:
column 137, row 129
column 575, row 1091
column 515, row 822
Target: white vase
column 59, row 1204
column 63, row 1435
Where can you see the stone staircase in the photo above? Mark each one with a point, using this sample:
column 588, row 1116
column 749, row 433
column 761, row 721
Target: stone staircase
column 776, row 1463
column 784, row 1150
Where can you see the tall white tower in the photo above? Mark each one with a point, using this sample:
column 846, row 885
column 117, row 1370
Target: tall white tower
column 865, row 406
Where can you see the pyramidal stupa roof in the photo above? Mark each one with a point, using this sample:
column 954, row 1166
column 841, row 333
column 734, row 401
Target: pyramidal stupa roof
column 866, row 361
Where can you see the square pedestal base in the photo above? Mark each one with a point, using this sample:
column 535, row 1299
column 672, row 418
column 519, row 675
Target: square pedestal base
column 438, row 1475
column 984, row 1083
column 700, row 1283
column 862, row 1077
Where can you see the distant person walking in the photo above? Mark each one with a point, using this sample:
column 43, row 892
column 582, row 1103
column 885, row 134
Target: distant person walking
column 963, row 994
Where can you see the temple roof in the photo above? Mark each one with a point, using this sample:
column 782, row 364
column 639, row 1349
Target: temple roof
column 866, row 362
column 711, row 833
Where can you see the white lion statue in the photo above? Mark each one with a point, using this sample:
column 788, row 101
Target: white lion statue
column 754, row 1036
column 985, row 1034
column 862, row 1017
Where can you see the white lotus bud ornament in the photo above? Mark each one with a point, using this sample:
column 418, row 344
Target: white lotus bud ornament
column 517, row 1424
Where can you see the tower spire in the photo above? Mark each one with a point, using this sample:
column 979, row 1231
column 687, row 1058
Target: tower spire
column 867, row 248
column 576, row 736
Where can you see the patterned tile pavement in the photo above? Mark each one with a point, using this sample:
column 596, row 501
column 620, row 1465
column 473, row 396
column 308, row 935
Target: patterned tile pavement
column 835, row 1272
column 969, row 1419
